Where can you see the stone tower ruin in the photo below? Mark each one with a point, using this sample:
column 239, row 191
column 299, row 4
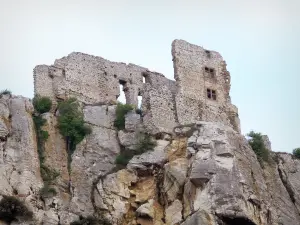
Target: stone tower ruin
column 200, row 90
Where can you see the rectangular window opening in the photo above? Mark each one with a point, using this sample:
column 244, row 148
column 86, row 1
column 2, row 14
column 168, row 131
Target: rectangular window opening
column 211, row 94
column 121, row 97
column 210, row 71
column 207, row 53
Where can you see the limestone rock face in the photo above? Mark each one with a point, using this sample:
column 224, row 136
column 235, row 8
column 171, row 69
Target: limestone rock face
column 3, row 129
column 205, row 173
column 19, row 163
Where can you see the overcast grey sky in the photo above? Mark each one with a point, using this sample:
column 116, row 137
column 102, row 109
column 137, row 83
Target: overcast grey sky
column 258, row 39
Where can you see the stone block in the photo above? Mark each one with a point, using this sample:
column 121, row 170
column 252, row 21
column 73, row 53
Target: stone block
column 202, row 171
column 173, row 213
column 100, row 115
column 132, row 120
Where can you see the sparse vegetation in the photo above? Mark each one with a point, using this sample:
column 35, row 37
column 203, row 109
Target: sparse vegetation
column 47, row 191
column 296, row 153
column 145, row 143
column 121, row 111
column 12, row 209
column 49, row 175
column 41, row 135
column 90, row 220
column 71, row 125
column 257, row 144
column 42, row 104
column 5, row 92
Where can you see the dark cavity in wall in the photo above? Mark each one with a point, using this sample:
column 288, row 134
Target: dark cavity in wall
column 236, row 221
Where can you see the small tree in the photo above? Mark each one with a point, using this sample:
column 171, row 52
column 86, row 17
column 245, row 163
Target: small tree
column 257, row 144
column 71, row 125
column 296, row 153
column 42, row 104
column 12, row 209
column 121, row 111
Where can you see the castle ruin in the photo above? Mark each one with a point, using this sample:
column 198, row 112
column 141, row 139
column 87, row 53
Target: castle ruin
column 200, row 90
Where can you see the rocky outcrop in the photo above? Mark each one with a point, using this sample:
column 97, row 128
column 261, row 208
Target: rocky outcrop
column 199, row 173
column 206, row 173
column 19, row 162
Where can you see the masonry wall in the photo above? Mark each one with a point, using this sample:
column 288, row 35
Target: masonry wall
column 94, row 80
column 192, row 81
column 166, row 103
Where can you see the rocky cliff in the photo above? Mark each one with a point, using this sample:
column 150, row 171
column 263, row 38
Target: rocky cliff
column 203, row 173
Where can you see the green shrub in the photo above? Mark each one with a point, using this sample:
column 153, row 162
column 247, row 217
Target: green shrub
column 144, row 143
column 48, row 174
column 42, row 104
column 41, row 135
column 124, row 157
column 257, row 144
column 121, row 111
column 12, row 208
column 5, row 92
column 90, row 220
column 296, row 153
column 47, row 191
column 71, row 125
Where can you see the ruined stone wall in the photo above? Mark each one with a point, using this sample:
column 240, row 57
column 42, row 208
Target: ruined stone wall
column 94, row 80
column 197, row 70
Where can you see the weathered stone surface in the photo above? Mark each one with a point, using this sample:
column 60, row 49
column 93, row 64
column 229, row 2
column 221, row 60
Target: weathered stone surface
column 127, row 139
column 3, row 129
column 114, row 191
column 132, row 120
column 174, row 177
column 4, row 109
column 156, row 157
column 93, row 157
column 173, row 213
column 21, row 158
column 200, row 217
column 202, row 172
column 50, row 217
column 145, row 189
column 103, row 115
column 65, row 218
column 56, row 156
column 146, row 209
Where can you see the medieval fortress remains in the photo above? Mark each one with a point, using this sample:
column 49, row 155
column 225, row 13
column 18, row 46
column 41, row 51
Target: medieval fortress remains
column 200, row 90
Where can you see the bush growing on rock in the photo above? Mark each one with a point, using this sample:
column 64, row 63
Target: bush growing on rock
column 296, row 153
column 12, row 209
column 5, row 92
column 121, row 111
column 42, row 104
column 257, row 144
column 71, row 125
column 47, row 191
